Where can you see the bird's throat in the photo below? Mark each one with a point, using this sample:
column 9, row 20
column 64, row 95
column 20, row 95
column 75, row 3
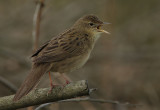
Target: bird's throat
column 97, row 36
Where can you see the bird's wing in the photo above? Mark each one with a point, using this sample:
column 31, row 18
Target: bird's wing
column 62, row 47
column 40, row 49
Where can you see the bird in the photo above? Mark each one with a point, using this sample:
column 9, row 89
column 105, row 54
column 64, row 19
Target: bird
column 64, row 53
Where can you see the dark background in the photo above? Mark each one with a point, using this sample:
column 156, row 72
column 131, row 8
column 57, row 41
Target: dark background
column 124, row 65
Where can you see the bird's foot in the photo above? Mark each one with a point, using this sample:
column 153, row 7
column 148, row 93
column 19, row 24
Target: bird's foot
column 52, row 86
column 67, row 82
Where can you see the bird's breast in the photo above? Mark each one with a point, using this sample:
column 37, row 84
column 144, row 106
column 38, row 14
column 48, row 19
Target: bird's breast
column 70, row 64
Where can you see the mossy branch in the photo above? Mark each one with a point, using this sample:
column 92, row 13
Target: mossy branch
column 41, row 96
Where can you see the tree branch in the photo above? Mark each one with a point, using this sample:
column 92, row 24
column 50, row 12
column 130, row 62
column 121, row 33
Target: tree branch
column 41, row 96
column 36, row 23
column 90, row 100
column 99, row 101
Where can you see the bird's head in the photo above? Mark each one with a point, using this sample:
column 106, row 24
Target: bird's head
column 91, row 23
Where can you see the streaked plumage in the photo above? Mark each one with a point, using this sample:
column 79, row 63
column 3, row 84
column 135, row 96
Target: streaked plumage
column 64, row 53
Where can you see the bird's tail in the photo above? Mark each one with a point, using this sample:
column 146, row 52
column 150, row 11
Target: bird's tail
column 32, row 79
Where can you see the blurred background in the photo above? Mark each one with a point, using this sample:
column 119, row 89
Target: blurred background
column 124, row 66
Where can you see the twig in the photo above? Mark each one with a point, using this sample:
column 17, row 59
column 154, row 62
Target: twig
column 90, row 100
column 40, row 96
column 8, row 84
column 92, row 90
column 36, row 23
column 99, row 101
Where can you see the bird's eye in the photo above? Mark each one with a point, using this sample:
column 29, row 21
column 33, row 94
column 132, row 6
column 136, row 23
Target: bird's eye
column 91, row 24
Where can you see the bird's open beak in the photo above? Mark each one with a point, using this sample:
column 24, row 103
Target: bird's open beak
column 104, row 31
column 101, row 30
column 106, row 23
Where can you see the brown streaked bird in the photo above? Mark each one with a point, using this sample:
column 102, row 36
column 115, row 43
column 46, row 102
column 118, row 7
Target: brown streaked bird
column 64, row 53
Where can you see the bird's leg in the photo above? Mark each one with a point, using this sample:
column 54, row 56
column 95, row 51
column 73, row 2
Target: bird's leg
column 51, row 84
column 67, row 80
